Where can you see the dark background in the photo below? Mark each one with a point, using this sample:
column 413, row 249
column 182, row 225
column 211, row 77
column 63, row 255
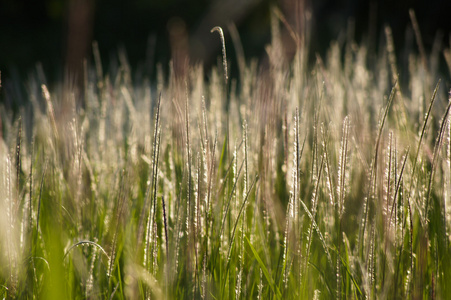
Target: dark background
column 60, row 33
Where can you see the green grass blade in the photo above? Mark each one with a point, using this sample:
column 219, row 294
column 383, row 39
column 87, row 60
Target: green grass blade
column 274, row 288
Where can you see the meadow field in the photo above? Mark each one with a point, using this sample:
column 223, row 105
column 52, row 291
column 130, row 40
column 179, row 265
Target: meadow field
column 310, row 178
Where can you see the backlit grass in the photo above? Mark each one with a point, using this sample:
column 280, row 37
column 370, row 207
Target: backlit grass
column 298, row 181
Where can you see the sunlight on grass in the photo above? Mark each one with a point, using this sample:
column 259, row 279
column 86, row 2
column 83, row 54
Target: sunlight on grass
column 298, row 181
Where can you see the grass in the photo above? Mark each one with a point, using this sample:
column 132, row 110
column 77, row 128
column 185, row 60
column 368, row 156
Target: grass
column 298, row 182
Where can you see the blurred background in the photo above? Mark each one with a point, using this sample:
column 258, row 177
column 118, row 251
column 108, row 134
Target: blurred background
column 59, row 33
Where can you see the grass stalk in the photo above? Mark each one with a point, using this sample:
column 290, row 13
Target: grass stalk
column 437, row 147
column 423, row 130
column 373, row 172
